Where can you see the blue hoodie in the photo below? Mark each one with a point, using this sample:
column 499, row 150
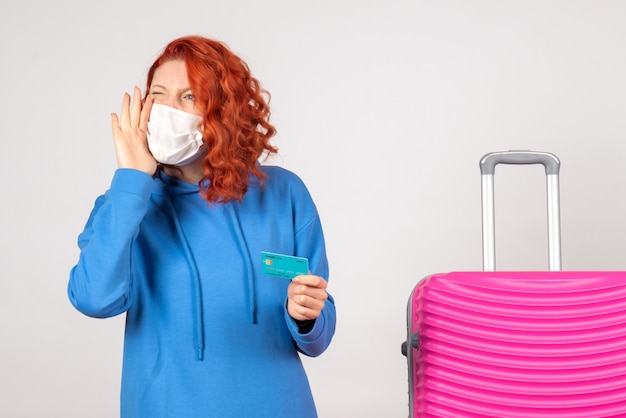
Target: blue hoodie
column 207, row 333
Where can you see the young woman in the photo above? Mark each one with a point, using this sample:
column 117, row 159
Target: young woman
column 176, row 243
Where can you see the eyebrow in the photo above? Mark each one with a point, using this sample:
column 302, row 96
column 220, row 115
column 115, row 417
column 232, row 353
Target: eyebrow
column 183, row 90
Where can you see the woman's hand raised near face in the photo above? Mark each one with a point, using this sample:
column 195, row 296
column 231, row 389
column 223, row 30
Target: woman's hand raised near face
column 130, row 134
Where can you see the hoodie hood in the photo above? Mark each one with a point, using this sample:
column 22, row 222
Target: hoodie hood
column 169, row 187
column 172, row 186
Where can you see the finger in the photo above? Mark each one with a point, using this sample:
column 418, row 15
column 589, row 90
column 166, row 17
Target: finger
column 145, row 114
column 309, row 302
column 316, row 300
column 135, row 110
column 124, row 119
column 302, row 312
column 304, row 289
column 311, row 280
column 115, row 122
column 296, row 290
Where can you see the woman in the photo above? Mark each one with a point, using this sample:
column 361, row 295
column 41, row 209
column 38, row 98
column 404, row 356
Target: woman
column 176, row 243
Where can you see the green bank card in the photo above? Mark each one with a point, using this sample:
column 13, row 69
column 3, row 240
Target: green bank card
column 285, row 266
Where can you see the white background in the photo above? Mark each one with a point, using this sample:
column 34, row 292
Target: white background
column 384, row 108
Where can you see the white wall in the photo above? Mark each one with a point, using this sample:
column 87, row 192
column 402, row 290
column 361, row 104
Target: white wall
column 384, row 109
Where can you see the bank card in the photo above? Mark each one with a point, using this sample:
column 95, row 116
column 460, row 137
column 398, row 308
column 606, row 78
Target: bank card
column 282, row 265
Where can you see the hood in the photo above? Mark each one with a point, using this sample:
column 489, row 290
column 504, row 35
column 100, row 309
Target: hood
column 169, row 185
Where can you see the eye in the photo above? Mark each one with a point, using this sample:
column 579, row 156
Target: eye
column 188, row 96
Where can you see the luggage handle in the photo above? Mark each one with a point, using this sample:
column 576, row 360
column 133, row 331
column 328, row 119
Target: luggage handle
column 487, row 169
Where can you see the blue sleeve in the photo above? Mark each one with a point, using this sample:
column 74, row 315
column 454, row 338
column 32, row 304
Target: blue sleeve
column 100, row 284
column 309, row 243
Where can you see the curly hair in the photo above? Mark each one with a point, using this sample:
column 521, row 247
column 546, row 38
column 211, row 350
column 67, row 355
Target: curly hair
column 235, row 110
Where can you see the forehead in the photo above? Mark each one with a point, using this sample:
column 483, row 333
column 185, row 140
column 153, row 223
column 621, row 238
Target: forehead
column 171, row 74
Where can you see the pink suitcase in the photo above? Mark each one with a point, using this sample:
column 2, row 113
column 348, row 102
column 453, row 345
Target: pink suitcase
column 518, row 344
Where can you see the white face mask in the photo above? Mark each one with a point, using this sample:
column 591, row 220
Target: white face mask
column 173, row 135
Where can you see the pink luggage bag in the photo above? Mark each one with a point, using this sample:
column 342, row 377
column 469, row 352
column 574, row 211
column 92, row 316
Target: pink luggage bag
column 518, row 344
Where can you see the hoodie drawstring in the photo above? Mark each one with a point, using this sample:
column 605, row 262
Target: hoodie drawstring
column 249, row 269
column 196, row 287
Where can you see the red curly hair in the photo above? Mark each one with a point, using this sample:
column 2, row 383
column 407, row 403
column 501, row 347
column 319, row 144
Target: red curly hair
column 235, row 111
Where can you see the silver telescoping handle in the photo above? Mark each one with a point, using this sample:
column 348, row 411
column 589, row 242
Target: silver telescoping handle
column 487, row 170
